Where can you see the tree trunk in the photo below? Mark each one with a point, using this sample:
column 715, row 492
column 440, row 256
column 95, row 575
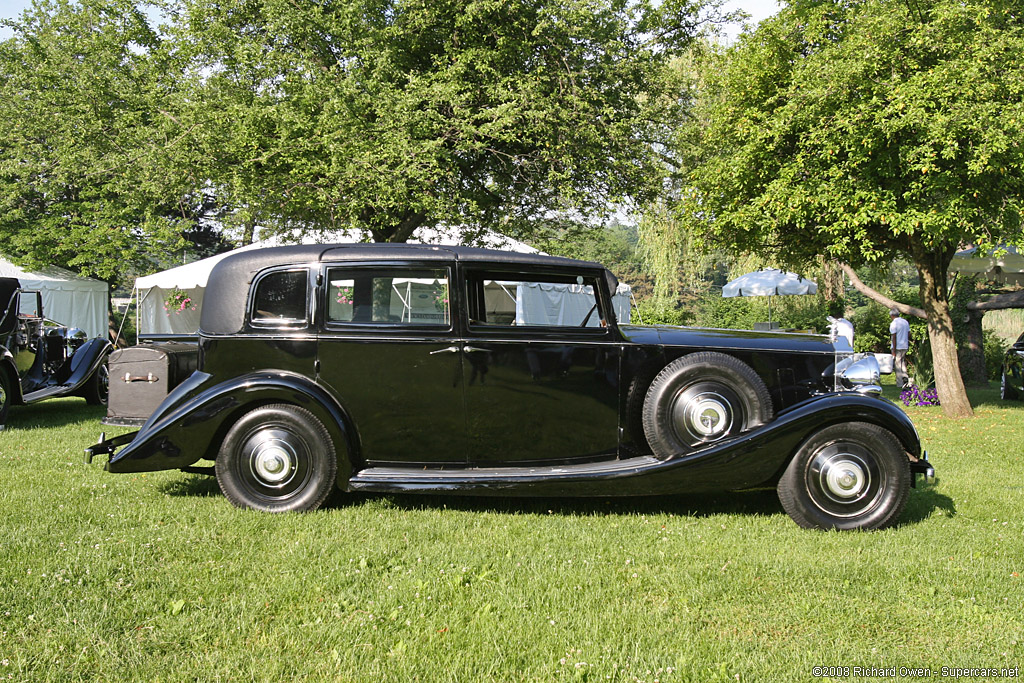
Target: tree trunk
column 972, row 362
column 932, row 267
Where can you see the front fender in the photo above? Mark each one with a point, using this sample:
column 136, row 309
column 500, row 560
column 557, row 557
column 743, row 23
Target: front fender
column 191, row 422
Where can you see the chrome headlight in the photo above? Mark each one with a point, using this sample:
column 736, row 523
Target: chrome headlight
column 859, row 372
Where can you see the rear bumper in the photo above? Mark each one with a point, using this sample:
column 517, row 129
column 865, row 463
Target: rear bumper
column 107, row 446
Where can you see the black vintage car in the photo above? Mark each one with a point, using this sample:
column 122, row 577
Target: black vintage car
column 41, row 359
column 1011, row 385
column 409, row 368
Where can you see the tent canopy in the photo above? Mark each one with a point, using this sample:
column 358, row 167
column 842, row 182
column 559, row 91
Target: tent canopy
column 68, row 298
column 1004, row 264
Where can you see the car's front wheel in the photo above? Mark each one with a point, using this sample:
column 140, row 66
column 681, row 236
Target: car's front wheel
column 277, row 458
column 1007, row 392
column 853, row 475
column 5, row 397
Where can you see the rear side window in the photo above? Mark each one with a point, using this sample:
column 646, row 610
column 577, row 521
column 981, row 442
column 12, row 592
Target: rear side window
column 281, row 298
column 383, row 296
column 504, row 299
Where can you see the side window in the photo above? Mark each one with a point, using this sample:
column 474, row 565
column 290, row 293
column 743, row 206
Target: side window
column 281, row 298
column 397, row 296
column 521, row 299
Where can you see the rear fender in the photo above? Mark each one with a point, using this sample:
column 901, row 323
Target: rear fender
column 194, row 418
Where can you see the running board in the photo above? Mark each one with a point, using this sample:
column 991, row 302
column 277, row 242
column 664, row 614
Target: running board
column 448, row 479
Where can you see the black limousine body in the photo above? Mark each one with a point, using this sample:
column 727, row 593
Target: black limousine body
column 40, row 358
column 413, row 368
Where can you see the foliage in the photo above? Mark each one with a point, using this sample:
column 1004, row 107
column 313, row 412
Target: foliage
column 865, row 130
column 388, row 115
column 134, row 576
column 995, row 349
column 83, row 177
column 654, row 311
column 807, row 313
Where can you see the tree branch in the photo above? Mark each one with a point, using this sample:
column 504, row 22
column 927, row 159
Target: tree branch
column 1000, row 301
column 880, row 298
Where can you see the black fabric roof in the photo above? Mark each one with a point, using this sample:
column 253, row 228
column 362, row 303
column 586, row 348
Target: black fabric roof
column 225, row 297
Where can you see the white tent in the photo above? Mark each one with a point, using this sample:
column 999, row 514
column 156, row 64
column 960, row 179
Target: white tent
column 69, row 299
column 1004, row 264
column 155, row 318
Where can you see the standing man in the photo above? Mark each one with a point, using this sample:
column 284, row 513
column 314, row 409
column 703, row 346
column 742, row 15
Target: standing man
column 899, row 333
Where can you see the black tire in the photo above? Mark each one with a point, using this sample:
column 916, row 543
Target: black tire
column 1006, row 390
column 702, row 398
column 277, row 458
column 853, row 475
column 5, row 397
column 97, row 387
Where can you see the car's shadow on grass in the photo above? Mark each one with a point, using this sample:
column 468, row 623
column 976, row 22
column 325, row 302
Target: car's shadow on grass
column 191, row 485
column 756, row 503
column 923, row 502
column 59, row 413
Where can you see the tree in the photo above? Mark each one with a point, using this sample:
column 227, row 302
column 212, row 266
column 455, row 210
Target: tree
column 83, row 178
column 388, row 115
column 863, row 130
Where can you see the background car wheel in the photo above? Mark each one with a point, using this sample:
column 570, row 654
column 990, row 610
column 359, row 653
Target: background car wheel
column 701, row 398
column 1006, row 390
column 97, row 388
column 277, row 458
column 5, row 397
column 853, row 475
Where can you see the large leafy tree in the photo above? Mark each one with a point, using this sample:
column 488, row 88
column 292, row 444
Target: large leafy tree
column 387, row 115
column 868, row 129
column 84, row 181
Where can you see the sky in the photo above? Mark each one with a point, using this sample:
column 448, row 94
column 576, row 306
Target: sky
column 758, row 9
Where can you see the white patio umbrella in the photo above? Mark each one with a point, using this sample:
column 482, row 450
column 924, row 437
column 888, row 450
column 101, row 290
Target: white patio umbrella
column 769, row 282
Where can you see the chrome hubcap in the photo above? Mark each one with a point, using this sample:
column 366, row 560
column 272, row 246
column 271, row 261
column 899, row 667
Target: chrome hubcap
column 844, row 479
column 703, row 415
column 273, row 462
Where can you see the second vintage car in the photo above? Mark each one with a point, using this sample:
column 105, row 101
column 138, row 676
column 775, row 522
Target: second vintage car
column 412, row 368
column 41, row 359
column 1011, row 384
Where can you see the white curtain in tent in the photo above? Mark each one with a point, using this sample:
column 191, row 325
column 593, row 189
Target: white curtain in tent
column 69, row 299
column 544, row 303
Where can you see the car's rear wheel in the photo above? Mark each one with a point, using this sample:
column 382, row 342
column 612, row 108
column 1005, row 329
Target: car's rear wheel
column 702, row 398
column 853, row 475
column 277, row 458
column 97, row 387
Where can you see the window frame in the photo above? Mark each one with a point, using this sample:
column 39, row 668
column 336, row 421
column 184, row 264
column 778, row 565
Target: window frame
column 475, row 274
column 454, row 297
column 280, row 323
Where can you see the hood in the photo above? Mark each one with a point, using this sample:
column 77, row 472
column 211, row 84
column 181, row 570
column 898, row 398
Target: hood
column 707, row 339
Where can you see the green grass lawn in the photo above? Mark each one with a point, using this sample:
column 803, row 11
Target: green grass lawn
column 157, row 577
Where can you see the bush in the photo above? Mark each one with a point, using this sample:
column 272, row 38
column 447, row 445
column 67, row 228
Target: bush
column 995, row 349
column 652, row 312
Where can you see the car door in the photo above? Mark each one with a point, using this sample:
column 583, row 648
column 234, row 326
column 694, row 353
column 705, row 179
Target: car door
column 541, row 367
column 389, row 351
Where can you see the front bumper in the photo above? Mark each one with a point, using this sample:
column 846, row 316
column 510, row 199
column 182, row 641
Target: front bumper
column 922, row 466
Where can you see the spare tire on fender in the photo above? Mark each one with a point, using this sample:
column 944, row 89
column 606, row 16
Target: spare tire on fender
column 702, row 398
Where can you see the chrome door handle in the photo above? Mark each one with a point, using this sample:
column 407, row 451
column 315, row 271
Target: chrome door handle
column 474, row 349
column 450, row 349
